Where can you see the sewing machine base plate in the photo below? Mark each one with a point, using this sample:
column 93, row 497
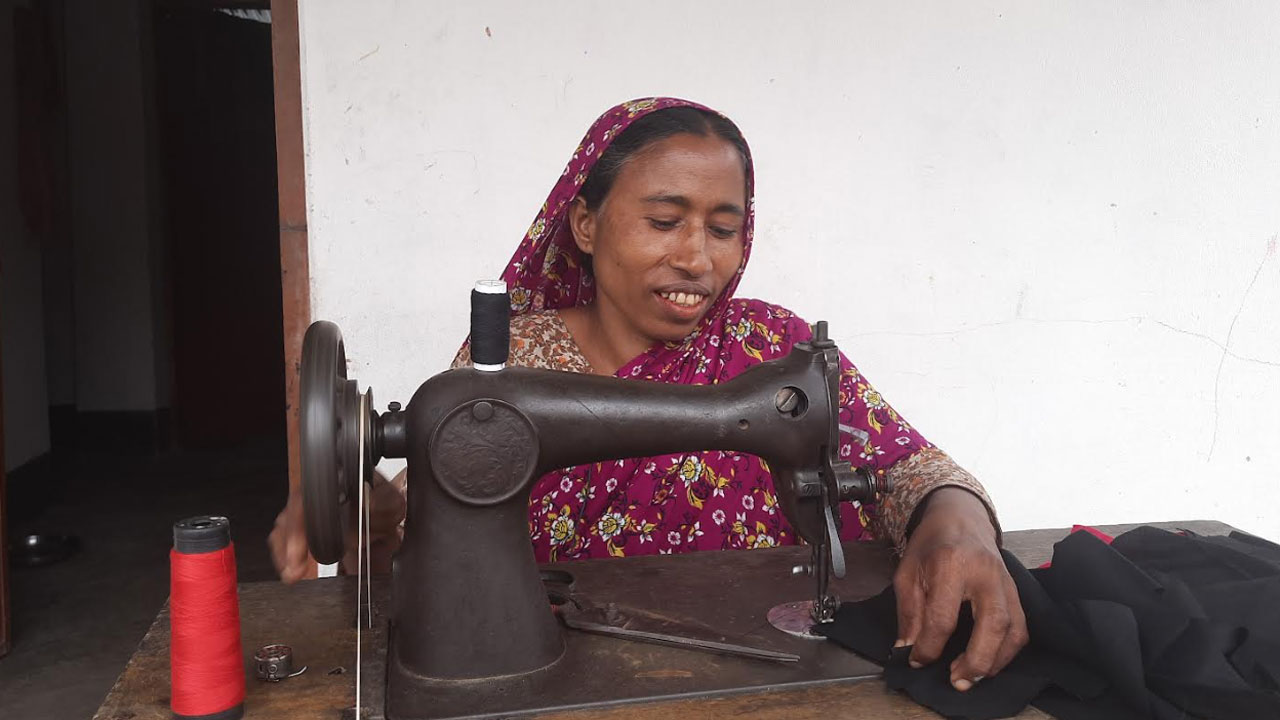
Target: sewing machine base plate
column 727, row 594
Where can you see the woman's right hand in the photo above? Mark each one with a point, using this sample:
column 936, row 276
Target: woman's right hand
column 288, row 542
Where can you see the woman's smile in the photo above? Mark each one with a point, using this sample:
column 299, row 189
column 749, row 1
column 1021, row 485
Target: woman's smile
column 683, row 306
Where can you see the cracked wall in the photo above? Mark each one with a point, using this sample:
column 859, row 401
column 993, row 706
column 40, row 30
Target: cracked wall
column 1047, row 233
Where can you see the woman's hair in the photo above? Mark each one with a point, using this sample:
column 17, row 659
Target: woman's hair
column 657, row 125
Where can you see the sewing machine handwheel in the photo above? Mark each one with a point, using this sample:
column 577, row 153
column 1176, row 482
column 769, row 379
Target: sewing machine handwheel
column 329, row 438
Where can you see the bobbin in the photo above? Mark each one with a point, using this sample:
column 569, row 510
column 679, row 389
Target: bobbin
column 275, row 663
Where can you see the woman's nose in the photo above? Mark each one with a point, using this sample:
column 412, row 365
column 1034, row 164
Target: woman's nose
column 690, row 254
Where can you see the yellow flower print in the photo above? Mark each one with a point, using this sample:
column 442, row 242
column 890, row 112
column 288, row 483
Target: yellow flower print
column 872, row 399
column 741, row 329
column 537, row 228
column 691, row 469
column 863, row 519
column 700, row 481
column 609, row 525
column 695, row 531
column 545, row 503
column 519, row 299
column 635, row 107
column 870, row 396
column 718, row 483
column 644, row 531
column 773, row 338
column 903, row 425
column 560, row 526
column 762, row 538
column 755, row 344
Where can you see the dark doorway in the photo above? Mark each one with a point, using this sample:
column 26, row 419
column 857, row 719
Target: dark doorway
column 184, row 209
column 217, row 154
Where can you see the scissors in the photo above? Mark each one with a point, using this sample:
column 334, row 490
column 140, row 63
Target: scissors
column 579, row 613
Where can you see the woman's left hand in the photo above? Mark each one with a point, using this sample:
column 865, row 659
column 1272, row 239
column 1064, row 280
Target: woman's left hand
column 952, row 557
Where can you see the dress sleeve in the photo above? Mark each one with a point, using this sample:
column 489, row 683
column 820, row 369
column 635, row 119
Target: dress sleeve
column 914, row 477
column 538, row 340
column 463, row 358
column 873, row 435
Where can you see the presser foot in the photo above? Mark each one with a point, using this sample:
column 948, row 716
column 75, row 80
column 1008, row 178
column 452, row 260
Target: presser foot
column 824, row 609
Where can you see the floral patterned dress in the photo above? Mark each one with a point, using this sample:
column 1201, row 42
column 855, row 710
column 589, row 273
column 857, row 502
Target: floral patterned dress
column 715, row 500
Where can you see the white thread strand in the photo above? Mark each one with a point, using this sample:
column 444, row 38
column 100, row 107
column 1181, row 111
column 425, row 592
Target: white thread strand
column 360, row 541
column 368, row 559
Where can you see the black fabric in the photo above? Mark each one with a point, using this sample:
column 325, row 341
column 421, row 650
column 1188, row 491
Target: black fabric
column 1157, row 625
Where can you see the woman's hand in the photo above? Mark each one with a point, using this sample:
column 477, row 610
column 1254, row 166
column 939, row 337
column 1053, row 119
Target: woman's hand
column 288, row 542
column 288, row 539
column 386, row 512
column 952, row 557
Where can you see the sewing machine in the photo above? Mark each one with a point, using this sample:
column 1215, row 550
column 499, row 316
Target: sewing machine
column 469, row 611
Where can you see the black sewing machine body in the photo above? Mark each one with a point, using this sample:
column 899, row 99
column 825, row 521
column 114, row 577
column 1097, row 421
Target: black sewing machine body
column 468, row 604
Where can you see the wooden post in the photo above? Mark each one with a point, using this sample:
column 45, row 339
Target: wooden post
column 5, row 631
column 295, row 280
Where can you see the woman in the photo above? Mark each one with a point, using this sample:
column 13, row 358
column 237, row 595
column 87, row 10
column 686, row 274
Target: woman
column 630, row 270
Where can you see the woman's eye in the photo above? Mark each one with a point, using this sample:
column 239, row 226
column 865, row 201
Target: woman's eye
column 723, row 233
column 663, row 224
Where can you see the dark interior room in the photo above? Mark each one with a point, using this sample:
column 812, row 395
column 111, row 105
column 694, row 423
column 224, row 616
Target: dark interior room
column 142, row 337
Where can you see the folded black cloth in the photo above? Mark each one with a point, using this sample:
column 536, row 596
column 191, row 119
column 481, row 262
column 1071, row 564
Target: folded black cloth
column 1156, row 625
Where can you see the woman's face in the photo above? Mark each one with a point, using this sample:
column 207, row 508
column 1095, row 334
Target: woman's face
column 668, row 236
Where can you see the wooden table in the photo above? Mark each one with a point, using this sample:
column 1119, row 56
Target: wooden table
column 317, row 619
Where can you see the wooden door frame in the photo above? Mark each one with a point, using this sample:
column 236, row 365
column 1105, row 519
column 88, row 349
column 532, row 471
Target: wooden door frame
column 6, row 636
column 295, row 275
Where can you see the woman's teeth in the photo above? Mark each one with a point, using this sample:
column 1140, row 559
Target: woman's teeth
column 685, row 299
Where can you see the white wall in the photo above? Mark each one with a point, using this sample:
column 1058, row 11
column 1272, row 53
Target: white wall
column 115, row 341
column 26, row 407
column 1047, row 231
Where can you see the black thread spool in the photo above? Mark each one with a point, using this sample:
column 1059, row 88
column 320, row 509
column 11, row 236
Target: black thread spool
column 490, row 325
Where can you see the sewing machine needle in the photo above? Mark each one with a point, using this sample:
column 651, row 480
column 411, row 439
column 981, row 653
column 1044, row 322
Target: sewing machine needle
column 679, row 641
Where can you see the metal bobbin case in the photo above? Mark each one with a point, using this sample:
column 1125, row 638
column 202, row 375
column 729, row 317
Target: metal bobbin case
column 275, row 663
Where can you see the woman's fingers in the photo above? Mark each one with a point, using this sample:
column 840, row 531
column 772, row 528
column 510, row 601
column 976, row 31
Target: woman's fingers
column 999, row 631
column 288, row 544
column 991, row 624
column 944, row 589
column 1018, row 636
column 909, row 589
